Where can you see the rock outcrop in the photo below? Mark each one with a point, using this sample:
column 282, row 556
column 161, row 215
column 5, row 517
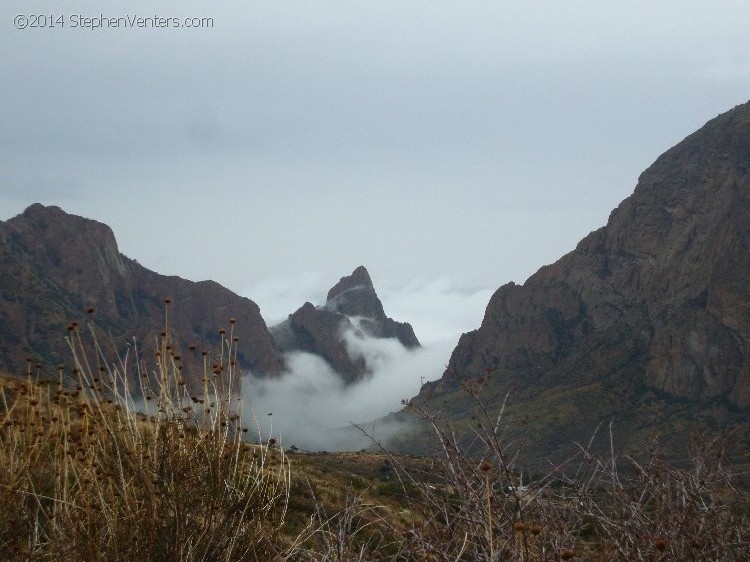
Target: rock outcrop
column 652, row 308
column 54, row 266
column 352, row 307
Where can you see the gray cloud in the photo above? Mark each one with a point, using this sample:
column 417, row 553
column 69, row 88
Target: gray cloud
column 313, row 410
column 472, row 142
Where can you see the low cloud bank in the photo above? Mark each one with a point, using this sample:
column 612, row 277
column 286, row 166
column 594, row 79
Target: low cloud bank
column 437, row 309
column 312, row 409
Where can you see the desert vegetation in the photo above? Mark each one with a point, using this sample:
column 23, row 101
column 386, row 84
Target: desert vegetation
column 128, row 457
column 587, row 507
column 89, row 474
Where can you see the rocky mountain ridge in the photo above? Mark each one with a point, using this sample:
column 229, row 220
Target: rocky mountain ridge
column 54, row 266
column 649, row 315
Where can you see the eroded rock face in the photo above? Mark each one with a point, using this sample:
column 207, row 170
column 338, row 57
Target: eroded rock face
column 54, row 266
column 355, row 296
column 352, row 306
column 658, row 300
column 669, row 273
column 321, row 332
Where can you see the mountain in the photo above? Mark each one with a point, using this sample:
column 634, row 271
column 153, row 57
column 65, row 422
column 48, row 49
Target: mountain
column 54, row 266
column 352, row 306
column 647, row 319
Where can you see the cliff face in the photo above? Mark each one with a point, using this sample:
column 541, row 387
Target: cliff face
column 352, row 305
column 54, row 266
column 654, row 304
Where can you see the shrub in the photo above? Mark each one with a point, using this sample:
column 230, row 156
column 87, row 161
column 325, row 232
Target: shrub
column 85, row 475
column 590, row 507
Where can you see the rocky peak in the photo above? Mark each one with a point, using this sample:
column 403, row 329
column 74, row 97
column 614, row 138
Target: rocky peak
column 355, row 295
column 50, row 232
column 649, row 309
column 80, row 254
column 360, row 277
column 320, row 330
column 55, row 265
column 669, row 268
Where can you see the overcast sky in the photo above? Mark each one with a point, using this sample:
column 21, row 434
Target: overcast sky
column 449, row 146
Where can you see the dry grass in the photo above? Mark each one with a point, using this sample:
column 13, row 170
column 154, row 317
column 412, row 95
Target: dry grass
column 126, row 464
column 586, row 508
column 86, row 476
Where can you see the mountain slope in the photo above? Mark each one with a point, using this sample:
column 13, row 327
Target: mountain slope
column 649, row 313
column 54, row 266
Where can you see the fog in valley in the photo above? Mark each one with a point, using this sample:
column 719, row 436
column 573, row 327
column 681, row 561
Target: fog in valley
column 313, row 409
